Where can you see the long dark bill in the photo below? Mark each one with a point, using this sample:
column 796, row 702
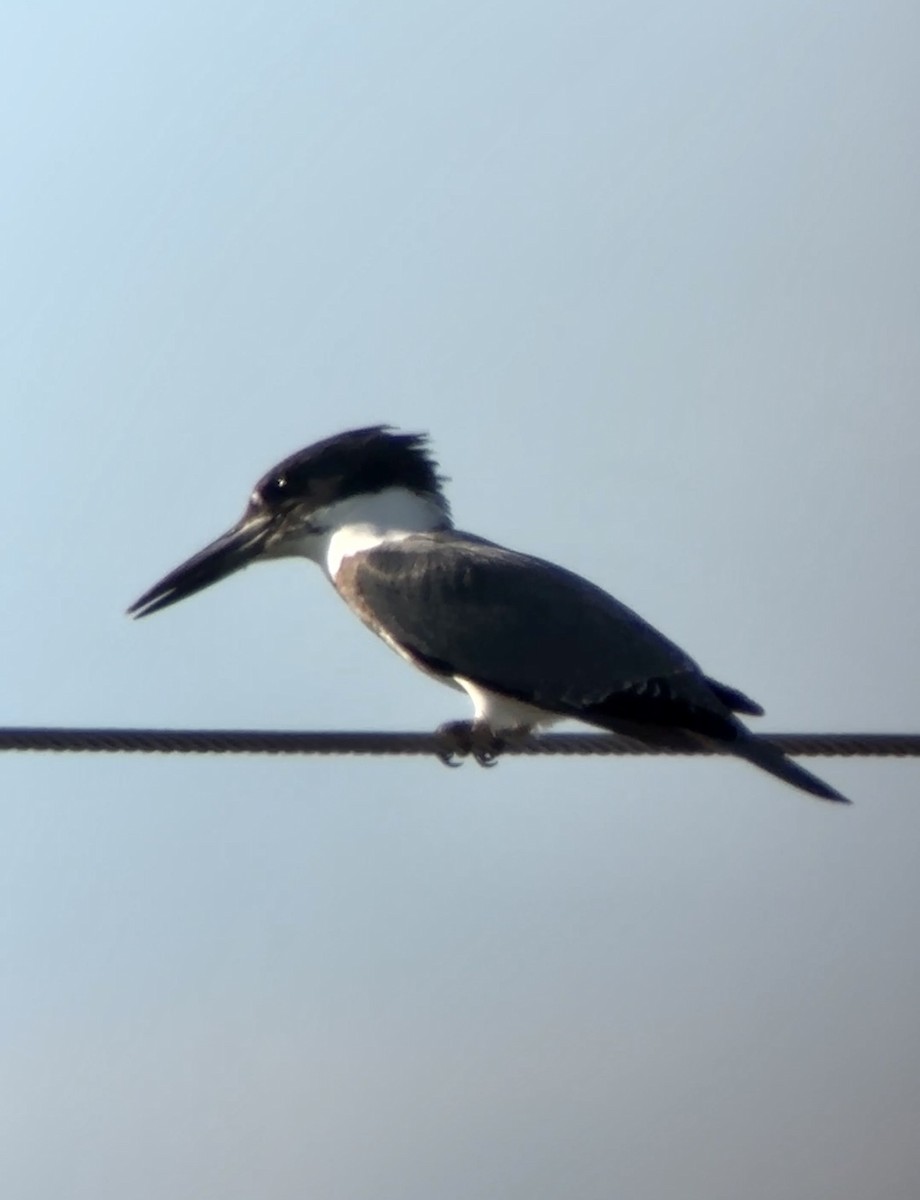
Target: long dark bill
column 233, row 550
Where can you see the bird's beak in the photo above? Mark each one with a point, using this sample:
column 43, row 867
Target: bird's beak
column 236, row 548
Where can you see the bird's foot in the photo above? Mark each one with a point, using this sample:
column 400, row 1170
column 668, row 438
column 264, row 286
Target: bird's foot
column 464, row 738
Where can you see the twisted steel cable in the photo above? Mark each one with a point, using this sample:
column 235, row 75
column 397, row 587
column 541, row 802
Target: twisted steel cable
column 252, row 741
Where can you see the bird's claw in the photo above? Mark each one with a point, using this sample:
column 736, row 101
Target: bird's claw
column 465, row 738
column 449, row 758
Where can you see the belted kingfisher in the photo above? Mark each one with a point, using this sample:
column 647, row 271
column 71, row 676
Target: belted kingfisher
column 530, row 642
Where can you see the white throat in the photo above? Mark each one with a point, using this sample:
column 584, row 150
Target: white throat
column 363, row 522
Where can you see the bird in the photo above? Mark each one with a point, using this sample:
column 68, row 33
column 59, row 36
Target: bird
column 530, row 642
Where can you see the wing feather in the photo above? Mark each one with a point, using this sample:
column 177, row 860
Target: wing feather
column 519, row 626
column 527, row 629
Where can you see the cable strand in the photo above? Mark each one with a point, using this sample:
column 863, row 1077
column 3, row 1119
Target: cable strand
column 326, row 742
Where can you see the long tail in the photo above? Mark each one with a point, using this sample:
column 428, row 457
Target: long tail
column 698, row 709
column 763, row 754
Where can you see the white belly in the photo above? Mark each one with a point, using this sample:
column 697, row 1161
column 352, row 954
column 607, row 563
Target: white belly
column 501, row 712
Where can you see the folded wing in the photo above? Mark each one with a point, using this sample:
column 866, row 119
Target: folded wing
column 528, row 629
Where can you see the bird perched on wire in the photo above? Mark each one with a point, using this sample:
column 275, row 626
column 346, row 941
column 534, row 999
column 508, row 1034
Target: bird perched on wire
column 530, row 642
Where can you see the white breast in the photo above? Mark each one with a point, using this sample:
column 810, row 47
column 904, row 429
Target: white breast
column 362, row 523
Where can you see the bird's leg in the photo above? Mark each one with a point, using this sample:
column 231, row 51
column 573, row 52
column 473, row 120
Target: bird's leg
column 462, row 738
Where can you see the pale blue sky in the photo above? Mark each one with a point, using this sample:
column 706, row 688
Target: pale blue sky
column 649, row 276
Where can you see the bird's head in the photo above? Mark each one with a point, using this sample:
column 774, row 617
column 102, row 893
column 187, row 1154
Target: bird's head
column 372, row 478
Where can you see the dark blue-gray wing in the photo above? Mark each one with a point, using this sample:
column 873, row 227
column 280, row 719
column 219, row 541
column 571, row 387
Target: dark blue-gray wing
column 528, row 629
column 522, row 627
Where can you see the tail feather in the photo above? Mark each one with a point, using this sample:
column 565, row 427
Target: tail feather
column 769, row 758
column 734, row 700
column 683, row 711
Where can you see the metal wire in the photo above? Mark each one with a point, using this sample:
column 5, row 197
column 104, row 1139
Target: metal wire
column 251, row 741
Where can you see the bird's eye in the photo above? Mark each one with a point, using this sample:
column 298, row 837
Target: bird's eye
column 275, row 488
